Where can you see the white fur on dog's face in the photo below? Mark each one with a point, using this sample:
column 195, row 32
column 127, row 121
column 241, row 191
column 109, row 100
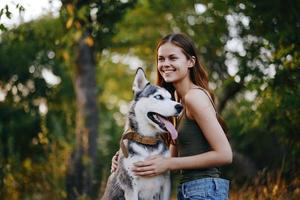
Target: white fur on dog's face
column 159, row 102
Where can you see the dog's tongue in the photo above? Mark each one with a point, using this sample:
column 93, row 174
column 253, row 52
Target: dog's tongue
column 169, row 126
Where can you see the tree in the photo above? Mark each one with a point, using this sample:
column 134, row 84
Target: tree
column 88, row 22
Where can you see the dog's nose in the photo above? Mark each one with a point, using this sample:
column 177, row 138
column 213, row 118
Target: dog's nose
column 178, row 108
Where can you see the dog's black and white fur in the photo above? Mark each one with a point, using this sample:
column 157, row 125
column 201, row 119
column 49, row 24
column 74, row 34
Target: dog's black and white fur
column 149, row 102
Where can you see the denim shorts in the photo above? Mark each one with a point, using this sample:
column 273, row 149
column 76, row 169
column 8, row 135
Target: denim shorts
column 204, row 188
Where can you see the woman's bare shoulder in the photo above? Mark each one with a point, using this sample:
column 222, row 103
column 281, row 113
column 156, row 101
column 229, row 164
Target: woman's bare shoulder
column 197, row 98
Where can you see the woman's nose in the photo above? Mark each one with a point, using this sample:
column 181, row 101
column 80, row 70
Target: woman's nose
column 166, row 63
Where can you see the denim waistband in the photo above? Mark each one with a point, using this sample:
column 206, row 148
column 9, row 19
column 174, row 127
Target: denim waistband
column 204, row 184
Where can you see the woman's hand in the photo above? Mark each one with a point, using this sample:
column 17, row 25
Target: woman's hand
column 153, row 166
column 114, row 162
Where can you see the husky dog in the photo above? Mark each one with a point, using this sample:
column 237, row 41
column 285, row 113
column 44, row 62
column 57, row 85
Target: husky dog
column 145, row 129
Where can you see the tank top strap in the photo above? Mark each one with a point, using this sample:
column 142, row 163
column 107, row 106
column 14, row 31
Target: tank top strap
column 208, row 95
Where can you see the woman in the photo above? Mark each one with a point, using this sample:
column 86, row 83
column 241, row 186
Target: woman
column 202, row 145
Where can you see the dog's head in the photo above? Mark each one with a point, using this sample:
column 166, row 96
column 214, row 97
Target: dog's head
column 151, row 107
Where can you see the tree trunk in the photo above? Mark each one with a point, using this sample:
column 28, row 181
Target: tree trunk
column 230, row 91
column 83, row 160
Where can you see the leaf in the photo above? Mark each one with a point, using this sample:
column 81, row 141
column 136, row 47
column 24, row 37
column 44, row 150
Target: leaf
column 21, row 9
column 70, row 9
column 2, row 27
column 1, row 12
column 69, row 23
column 66, row 56
column 89, row 41
column 7, row 13
column 77, row 35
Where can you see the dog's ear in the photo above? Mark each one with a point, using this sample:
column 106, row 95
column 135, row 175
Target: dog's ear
column 140, row 81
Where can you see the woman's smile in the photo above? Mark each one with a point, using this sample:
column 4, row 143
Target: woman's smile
column 168, row 70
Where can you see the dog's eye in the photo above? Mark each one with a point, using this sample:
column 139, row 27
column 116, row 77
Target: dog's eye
column 159, row 97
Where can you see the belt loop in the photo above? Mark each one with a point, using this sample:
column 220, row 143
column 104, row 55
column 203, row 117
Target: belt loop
column 183, row 190
column 216, row 183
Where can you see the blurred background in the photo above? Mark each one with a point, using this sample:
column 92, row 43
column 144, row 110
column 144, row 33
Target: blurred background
column 66, row 69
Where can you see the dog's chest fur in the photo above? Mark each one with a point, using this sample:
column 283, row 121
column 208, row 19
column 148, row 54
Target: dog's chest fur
column 147, row 187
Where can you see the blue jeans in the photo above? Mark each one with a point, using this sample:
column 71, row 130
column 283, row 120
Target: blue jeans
column 204, row 188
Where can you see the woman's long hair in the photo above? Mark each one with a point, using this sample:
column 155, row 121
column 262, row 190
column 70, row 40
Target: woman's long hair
column 198, row 74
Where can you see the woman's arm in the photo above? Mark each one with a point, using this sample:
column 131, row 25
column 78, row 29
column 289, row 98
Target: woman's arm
column 200, row 109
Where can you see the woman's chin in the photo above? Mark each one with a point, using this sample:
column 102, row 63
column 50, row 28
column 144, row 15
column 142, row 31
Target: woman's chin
column 168, row 80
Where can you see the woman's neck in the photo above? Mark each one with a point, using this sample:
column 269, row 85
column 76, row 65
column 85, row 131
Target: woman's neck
column 183, row 87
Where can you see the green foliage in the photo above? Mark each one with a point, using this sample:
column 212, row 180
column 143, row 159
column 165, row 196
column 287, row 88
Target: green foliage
column 267, row 125
column 30, row 140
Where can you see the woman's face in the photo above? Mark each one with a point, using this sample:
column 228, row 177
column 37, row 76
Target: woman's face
column 172, row 64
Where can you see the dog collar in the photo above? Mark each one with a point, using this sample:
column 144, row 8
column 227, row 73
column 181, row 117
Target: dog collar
column 132, row 135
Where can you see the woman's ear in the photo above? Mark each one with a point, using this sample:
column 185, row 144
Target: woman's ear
column 192, row 61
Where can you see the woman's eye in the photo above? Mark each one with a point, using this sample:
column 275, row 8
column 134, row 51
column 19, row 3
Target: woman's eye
column 159, row 97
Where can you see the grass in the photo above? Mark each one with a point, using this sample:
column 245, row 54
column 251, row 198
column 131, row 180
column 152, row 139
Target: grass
column 267, row 186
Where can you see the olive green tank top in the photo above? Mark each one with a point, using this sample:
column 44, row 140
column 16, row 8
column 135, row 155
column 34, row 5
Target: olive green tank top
column 191, row 141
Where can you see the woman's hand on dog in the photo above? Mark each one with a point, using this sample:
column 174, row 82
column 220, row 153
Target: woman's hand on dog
column 114, row 162
column 153, row 166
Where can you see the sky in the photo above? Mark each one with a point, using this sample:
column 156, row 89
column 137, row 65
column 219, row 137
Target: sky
column 33, row 10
